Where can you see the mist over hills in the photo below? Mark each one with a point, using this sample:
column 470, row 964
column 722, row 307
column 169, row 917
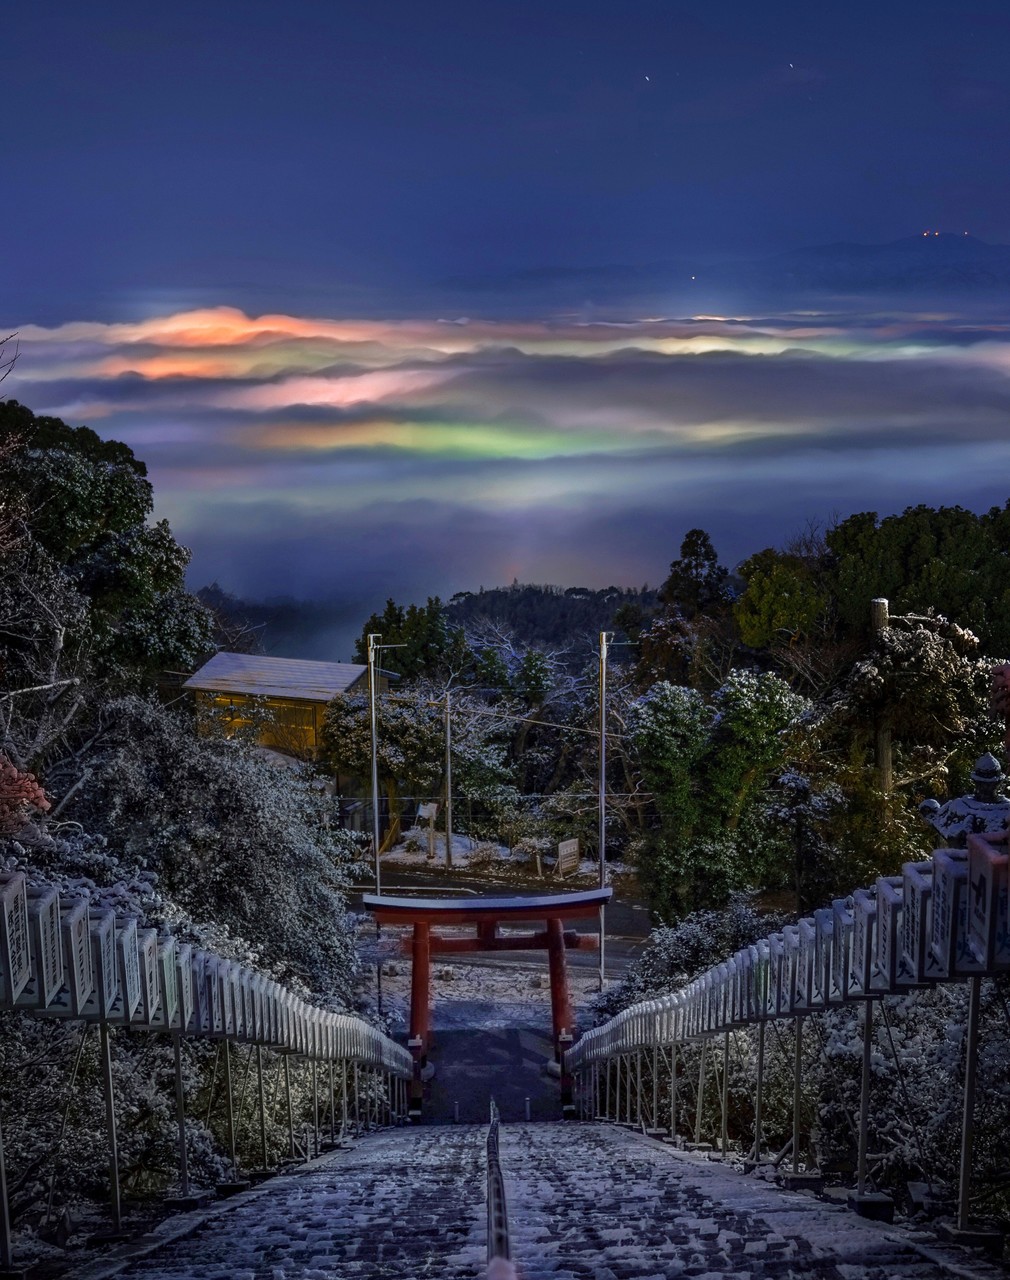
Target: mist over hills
column 325, row 630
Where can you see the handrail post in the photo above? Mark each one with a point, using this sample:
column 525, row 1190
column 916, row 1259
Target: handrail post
column 230, row 1113
column 968, row 1115
column 797, row 1093
column 759, row 1093
column 655, row 1085
column 291, row 1114
column 725, row 1095
column 864, row 1096
column 6, row 1247
column 701, row 1090
column 264, row 1154
column 180, row 1113
column 110, row 1120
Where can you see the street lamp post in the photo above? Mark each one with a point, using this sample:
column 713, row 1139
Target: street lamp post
column 605, row 638
column 448, row 781
column 373, row 650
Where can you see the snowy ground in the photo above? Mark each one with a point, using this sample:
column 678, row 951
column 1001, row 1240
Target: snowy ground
column 583, row 1200
column 475, row 856
column 493, row 992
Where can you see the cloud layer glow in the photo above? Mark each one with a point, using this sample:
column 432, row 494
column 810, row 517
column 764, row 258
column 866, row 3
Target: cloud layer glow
column 362, row 458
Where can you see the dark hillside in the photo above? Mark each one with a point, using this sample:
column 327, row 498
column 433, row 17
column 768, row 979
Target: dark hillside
column 546, row 615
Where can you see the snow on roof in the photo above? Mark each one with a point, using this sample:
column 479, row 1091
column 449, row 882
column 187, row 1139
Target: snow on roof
column 252, row 673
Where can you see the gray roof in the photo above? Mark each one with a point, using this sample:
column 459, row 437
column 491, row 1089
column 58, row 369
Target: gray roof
column 255, row 674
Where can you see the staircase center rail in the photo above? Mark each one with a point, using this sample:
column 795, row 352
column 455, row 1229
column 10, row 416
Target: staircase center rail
column 497, row 1211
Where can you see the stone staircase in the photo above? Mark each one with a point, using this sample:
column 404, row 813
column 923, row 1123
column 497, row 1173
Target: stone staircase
column 585, row 1202
column 592, row 1202
column 401, row 1203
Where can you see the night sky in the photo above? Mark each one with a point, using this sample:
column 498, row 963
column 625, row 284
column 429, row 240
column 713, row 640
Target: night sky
column 405, row 298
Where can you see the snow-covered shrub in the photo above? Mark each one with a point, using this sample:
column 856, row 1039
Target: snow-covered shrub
column 230, row 837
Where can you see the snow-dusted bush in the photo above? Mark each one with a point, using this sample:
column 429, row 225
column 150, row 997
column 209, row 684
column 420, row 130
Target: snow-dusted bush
column 231, row 838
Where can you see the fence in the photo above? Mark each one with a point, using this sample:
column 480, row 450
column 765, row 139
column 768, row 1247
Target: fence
column 941, row 921
column 62, row 958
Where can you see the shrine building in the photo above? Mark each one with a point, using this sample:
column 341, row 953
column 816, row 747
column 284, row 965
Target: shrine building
column 293, row 690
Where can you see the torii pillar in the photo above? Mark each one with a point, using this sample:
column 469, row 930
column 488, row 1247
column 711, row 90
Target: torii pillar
column 488, row 914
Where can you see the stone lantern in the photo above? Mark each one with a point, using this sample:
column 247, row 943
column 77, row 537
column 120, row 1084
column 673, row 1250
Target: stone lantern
column 986, row 809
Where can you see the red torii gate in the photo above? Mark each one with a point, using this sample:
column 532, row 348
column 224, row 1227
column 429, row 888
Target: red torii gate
column 488, row 914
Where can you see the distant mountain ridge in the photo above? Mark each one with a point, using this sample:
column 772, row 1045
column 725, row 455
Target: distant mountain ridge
column 932, row 260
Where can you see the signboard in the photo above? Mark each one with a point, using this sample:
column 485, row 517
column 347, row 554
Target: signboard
column 777, row 999
column 428, row 812
column 78, row 969
column 46, row 948
column 128, row 997
column 762, row 979
column 249, row 1019
column 102, row 927
column 917, row 898
column 888, row 929
column 168, row 983
column 231, row 1014
column 568, row 857
column 150, row 978
column 841, row 947
column 824, row 936
column 237, row 1000
column 987, row 902
column 259, row 1025
column 15, row 956
column 805, row 964
column 790, row 956
column 862, row 950
column 211, row 986
column 949, row 940
column 184, row 971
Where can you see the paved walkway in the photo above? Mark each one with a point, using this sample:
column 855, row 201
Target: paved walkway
column 586, row 1202
column 403, row 1203
column 608, row 1204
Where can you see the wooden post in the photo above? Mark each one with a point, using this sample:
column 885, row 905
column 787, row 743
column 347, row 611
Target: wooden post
column 885, row 768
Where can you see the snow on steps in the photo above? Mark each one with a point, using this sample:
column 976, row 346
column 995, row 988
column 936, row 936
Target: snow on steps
column 404, row 1203
column 593, row 1202
column 586, row 1202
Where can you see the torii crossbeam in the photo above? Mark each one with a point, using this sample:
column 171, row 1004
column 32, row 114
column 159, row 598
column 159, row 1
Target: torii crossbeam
column 488, row 914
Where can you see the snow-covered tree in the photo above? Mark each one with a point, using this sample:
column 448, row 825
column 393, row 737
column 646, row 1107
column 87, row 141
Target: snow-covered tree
column 232, row 837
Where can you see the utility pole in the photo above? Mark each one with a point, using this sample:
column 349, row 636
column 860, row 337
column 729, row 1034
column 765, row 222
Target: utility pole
column 373, row 649
column 448, row 781
column 605, row 638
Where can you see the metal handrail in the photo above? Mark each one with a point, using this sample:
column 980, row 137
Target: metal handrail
column 497, row 1212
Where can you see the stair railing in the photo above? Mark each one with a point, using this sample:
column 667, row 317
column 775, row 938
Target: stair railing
column 940, row 921
column 497, row 1212
column 63, row 957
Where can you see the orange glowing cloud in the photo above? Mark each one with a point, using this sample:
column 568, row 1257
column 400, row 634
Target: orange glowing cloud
column 336, row 393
